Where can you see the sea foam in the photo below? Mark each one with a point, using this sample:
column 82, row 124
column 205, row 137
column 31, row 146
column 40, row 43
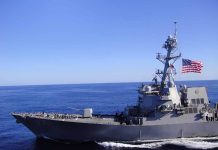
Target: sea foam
column 193, row 143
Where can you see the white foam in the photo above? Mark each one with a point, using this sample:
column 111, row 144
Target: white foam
column 125, row 145
column 194, row 143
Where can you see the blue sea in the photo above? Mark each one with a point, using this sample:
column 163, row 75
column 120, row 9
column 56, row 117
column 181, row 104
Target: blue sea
column 73, row 98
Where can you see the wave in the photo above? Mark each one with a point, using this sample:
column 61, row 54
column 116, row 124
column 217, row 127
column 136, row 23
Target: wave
column 192, row 143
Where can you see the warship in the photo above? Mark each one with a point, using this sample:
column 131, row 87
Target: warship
column 162, row 111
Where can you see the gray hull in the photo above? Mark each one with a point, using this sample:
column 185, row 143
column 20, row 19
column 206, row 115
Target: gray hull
column 79, row 132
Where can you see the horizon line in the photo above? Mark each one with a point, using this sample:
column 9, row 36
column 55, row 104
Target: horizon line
column 51, row 84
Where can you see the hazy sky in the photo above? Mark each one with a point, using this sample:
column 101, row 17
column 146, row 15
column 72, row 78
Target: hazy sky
column 89, row 41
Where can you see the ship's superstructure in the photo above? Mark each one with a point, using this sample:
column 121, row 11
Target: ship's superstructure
column 162, row 111
column 159, row 99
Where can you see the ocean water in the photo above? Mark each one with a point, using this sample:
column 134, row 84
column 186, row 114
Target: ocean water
column 103, row 98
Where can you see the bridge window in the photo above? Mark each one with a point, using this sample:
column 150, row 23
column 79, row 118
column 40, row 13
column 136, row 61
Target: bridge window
column 202, row 101
column 193, row 101
column 198, row 101
column 190, row 110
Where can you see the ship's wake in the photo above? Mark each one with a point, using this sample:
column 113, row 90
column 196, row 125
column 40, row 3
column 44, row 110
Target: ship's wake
column 189, row 143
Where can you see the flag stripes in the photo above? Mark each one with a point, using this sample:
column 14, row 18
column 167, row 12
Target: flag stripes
column 191, row 66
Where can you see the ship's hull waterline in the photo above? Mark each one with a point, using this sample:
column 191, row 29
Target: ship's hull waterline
column 80, row 132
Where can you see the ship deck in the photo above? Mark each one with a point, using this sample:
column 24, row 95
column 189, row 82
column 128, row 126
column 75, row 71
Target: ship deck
column 109, row 119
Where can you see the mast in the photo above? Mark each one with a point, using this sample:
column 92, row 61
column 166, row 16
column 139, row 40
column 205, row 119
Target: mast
column 170, row 45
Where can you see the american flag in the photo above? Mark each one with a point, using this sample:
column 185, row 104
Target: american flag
column 191, row 66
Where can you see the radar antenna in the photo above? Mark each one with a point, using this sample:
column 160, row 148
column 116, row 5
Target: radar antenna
column 175, row 33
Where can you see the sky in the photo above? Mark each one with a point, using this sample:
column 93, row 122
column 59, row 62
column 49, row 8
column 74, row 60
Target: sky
column 102, row 41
